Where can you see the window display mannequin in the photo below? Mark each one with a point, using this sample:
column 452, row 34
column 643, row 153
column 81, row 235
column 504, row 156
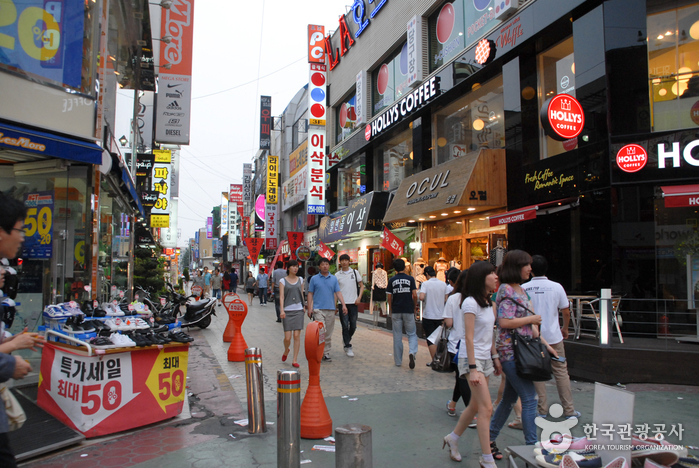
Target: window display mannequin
column 379, row 282
column 441, row 266
column 407, row 266
column 419, row 272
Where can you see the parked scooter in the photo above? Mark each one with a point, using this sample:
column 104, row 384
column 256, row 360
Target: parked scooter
column 196, row 313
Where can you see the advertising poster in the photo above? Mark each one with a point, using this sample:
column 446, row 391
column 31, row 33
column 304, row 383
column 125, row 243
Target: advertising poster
column 210, row 227
column 38, row 225
column 265, row 121
column 160, row 213
column 247, row 182
column 271, row 226
column 272, row 179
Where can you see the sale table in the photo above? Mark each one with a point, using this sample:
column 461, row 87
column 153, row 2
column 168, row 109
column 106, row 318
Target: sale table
column 117, row 390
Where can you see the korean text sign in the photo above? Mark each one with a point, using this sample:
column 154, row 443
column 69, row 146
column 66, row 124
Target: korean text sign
column 160, row 213
column 316, row 171
column 272, row 179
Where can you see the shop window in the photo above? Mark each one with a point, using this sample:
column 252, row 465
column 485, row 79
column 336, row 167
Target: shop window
column 390, row 80
column 673, row 66
column 351, row 181
column 397, row 157
column 299, row 133
column 346, row 118
column 474, row 122
column 115, row 230
column 449, row 228
column 556, row 69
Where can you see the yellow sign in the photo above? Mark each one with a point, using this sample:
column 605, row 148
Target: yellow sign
column 163, row 156
column 168, row 378
column 547, row 178
column 160, row 221
column 320, row 122
column 272, row 179
column 298, row 159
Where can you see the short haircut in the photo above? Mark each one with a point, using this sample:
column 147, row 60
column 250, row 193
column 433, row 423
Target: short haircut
column 344, row 257
column 323, row 260
column 379, row 265
column 511, row 267
column 12, row 211
column 539, row 265
column 278, row 265
column 453, row 275
column 398, row 265
column 291, row 263
column 429, row 271
column 475, row 283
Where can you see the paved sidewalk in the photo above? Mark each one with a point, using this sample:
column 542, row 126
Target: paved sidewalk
column 404, row 408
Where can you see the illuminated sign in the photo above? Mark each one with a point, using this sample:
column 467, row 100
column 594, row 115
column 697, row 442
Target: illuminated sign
column 265, row 121
column 631, row 158
column 485, row 51
column 316, row 171
column 272, row 179
column 562, row 117
column 316, row 43
column 317, row 82
column 160, row 213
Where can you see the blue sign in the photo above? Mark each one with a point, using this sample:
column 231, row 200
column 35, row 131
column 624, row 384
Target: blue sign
column 47, row 144
column 46, row 43
column 38, row 225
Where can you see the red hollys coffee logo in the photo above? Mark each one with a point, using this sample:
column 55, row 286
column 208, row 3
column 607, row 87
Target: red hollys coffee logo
column 562, row 117
column 367, row 132
column 631, row 158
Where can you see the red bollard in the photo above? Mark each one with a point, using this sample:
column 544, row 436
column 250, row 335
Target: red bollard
column 237, row 311
column 229, row 332
column 316, row 422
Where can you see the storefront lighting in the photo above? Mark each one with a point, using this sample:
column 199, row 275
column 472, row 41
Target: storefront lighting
column 341, row 244
column 470, row 209
column 586, row 137
column 411, row 155
column 445, row 214
column 457, row 211
column 475, row 86
column 414, row 245
column 662, row 92
column 421, row 219
column 432, row 216
column 478, row 125
column 411, row 220
column 660, row 36
column 441, row 142
column 123, row 140
column 528, row 93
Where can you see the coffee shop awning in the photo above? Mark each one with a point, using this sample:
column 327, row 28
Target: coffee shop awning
column 677, row 196
column 362, row 214
column 463, row 185
column 530, row 212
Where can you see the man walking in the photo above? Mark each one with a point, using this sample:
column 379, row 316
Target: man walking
column 207, row 281
column 402, row 297
column 262, row 279
column 323, row 290
column 352, row 288
column 548, row 297
column 433, row 293
column 234, row 281
column 277, row 275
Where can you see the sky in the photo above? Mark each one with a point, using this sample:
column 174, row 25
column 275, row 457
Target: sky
column 235, row 43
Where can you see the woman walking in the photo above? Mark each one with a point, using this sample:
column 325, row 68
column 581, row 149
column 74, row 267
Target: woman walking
column 379, row 283
column 479, row 361
column 513, row 306
column 291, row 299
column 453, row 318
column 250, row 287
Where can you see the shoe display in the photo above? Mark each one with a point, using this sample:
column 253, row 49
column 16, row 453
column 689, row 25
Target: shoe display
column 450, row 411
column 582, row 459
column 453, row 447
column 412, row 361
column 578, row 444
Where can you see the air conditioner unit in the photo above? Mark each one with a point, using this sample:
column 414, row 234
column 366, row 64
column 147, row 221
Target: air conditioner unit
column 40, row 167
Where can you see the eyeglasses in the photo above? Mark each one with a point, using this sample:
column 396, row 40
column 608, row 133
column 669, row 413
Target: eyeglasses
column 20, row 230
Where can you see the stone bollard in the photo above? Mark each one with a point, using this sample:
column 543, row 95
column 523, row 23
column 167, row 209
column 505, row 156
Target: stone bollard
column 353, row 446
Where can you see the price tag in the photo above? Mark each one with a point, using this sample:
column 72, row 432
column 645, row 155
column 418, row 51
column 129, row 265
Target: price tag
column 145, row 307
column 113, row 290
column 88, row 288
column 152, row 320
column 121, row 294
column 162, row 301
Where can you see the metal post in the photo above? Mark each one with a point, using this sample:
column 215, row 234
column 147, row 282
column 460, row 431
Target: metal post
column 255, row 391
column 353, row 446
column 605, row 313
column 288, row 419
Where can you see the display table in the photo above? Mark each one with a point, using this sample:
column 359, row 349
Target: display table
column 116, row 390
column 523, row 452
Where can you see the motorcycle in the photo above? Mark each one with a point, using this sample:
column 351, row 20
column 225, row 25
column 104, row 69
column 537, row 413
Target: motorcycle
column 196, row 313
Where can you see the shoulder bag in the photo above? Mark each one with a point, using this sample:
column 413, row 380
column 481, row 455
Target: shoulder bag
column 441, row 361
column 15, row 414
column 532, row 359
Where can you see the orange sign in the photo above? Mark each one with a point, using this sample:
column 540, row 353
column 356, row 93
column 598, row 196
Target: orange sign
column 316, row 44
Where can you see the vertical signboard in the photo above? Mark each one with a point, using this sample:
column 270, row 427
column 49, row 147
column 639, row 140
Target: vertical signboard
column 168, row 236
column 272, row 179
column 232, row 222
column 160, row 213
column 145, row 118
column 316, row 171
column 316, row 43
column 224, row 214
column 175, row 86
column 210, row 227
column 271, row 226
column 175, row 179
column 236, row 195
column 259, row 216
column 247, row 183
column 414, row 50
column 360, row 97
column 317, row 81
column 265, row 122
column 38, row 225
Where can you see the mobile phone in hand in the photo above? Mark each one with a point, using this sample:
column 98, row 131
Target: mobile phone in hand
column 559, row 358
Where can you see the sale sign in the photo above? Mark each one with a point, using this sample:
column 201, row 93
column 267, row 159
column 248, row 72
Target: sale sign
column 99, row 395
column 38, row 225
column 562, row 117
column 392, row 243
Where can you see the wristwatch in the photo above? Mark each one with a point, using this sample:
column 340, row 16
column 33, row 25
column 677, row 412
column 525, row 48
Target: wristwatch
column 472, row 366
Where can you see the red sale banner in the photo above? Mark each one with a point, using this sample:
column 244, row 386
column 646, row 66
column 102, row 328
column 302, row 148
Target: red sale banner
column 254, row 245
column 325, row 251
column 99, row 395
column 391, row 243
column 295, row 241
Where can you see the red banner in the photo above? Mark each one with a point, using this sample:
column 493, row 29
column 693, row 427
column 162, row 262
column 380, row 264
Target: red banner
column 254, row 244
column 99, row 395
column 391, row 243
column 295, row 241
column 325, row 251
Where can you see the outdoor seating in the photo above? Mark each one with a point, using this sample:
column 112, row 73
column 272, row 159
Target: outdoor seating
column 590, row 311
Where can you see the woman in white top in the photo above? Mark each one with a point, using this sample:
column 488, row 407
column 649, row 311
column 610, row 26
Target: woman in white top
column 379, row 283
column 454, row 319
column 291, row 314
column 481, row 361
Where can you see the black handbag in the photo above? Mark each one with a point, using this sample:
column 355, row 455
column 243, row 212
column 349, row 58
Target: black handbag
column 441, row 361
column 532, row 359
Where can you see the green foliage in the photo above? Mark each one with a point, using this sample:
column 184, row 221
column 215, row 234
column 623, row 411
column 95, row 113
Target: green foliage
column 366, row 296
column 688, row 246
column 148, row 270
column 185, row 273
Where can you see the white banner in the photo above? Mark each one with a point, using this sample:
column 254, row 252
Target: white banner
column 232, row 223
column 295, row 189
column 271, row 226
column 359, row 98
column 316, row 171
column 174, row 109
column 175, row 180
column 168, row 236
column 414, row 50
column 224, row 214
column 247, row 183
column 145, row 118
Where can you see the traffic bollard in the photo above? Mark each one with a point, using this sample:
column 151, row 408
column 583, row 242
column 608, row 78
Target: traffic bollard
column 353, row 446
column 288, row 419
column 255, row 391
column 237, row 311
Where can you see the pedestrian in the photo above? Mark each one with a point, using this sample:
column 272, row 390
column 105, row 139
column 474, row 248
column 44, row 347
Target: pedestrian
column 226, row 282
column 291, row 295
column 455, row 321
column 262, row 278
column 234, row 280
column 250, row 287
column 432, row 294
column 513, row 306
column 379, row 283
column 548, row 298
column 402, row 297
column 323, row 292
column 352, row 289
column 207, row 281
column 216, row 282
column 479, row 361
column 278, row 273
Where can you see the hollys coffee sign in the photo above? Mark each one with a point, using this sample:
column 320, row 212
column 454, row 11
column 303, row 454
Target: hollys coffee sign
column 562, row 117
column 631, row 158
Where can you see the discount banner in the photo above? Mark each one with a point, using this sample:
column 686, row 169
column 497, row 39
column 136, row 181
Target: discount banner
column 99, row 395
column 38, row 230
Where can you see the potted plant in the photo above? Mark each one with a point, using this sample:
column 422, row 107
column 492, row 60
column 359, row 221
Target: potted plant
column 366, row 296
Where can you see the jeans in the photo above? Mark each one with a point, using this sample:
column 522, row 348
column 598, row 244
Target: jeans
column 217, row 293
column 277, row 305
column 515, row 386
column 263, row 295
column 398, row 321
column 349, row 323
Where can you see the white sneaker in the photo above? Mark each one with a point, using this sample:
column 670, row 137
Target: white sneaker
column 349, row 352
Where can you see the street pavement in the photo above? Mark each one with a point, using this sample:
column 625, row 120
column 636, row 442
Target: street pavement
column 405, row 408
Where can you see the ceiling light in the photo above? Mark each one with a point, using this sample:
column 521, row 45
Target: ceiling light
column 478, row 125
column 445, row 214
column 432, row 216
column 411, row 220
column 471, row 209
column 660, row 36
column 421, row 219
column 457, row 211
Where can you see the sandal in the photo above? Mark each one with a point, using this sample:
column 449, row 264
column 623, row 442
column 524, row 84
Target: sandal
column 516, row 424
column 497, row 455
column 284, row 356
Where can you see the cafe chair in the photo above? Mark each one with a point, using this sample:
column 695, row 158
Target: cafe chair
column 590, row 311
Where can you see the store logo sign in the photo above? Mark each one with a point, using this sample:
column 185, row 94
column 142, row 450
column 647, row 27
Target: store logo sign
column 562, row 117
column 631, row 158
column 674, row 154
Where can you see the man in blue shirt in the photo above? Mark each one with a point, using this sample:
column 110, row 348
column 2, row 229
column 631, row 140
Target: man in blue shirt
column 402, row 297
column 262, row 286
column 207, row 281
column 323, row 289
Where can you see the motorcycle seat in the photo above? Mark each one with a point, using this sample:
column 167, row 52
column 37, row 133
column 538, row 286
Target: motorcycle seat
column 197, row 306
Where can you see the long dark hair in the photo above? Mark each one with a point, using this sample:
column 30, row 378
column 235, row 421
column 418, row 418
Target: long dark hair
column 475, row 283
column 511, row 267
column 460, row 284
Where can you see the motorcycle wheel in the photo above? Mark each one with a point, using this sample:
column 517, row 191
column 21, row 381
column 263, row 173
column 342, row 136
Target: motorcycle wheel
column 205, row 322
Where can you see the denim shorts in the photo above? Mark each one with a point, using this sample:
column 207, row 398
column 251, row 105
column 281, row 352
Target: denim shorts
column 484, row 366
